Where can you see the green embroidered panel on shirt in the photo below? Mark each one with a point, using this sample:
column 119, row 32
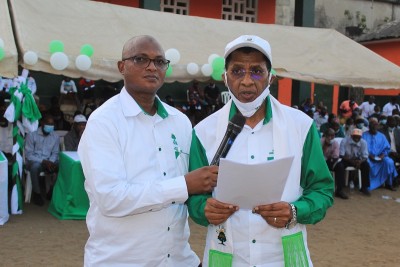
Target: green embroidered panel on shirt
column 219, row 259
column 294, row 251
column 176, row 147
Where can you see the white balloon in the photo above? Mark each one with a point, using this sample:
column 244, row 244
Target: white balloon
column 1, row 43
column 83, row 62
column 30, row 58
column 59, row 60
column 211, row 58
column 192, row 68
column 206, row 69
column 173, row 55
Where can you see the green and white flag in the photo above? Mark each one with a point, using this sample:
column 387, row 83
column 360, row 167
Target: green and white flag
column 24, row 114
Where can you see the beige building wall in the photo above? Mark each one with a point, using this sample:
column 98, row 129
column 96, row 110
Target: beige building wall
column 331, row 13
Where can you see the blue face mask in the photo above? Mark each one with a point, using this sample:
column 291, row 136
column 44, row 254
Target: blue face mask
column 360, row 125
column 383, row 122
column 48, row 128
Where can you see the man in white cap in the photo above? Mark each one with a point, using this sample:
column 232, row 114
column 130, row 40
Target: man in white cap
column 72, row 138
column 354, row 152
column 266, row 235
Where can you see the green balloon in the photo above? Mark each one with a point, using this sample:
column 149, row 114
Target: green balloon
column 217, row 74
column 169, row 71
column 56, row 46
column 218, row 63
column 2, row 53
column 87, row 50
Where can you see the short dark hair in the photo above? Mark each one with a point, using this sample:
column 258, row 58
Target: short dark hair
column 248, row 50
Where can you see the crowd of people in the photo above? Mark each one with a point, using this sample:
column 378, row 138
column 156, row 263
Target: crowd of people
column 363, row 137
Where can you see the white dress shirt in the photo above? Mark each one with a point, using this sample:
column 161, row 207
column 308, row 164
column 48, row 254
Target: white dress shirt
column 388, row 108
column 134, row 165
column 367, row 109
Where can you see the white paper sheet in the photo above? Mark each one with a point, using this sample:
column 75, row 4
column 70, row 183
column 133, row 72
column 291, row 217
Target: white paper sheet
column 251, row 185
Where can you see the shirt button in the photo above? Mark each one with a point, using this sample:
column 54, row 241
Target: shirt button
column 254, row 241
column 159, row 149
column 173, row 202
column 252, row 157
column 168, row 228
column 252, row 132
column 164, row 173
column 169, row 255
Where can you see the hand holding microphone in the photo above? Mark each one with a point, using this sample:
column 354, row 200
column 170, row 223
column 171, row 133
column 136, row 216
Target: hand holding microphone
column 203, row 180
column 235, row 126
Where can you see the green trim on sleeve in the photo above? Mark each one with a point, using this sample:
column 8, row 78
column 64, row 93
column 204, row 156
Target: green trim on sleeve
column 197, row 203
column 316, row 181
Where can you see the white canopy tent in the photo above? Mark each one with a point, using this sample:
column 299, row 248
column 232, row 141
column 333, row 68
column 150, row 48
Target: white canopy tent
column 9, row 64
column 308, row 54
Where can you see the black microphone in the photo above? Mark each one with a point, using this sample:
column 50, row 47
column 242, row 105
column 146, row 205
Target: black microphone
column 235, row 126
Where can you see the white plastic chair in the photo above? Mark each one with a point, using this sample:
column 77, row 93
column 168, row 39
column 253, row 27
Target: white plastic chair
column 346, row 178
column 61, row 134
column 225, row 97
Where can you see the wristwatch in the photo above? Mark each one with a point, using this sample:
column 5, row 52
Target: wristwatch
column 292, row 222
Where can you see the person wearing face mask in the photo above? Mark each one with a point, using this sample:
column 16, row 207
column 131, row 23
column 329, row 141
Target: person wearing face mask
column 360, row 124
column 271, row 131
column 41, row 153
column 330, row 147
column 354, row 152
column 383, row 171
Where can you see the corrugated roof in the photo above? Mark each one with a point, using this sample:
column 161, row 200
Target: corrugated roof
column 389, row 30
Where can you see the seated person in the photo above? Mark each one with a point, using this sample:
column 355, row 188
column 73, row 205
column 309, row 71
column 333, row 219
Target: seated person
column 86, row 91
column 360, row 124
column 68, row 90
column 213, row 97
column 41, row 153
column 330, row 147
column 72, row 138
column 339, row 132
column 349, row 126
column 392, row 134
column 320, row 117
column 354, row 152
column 382, row 169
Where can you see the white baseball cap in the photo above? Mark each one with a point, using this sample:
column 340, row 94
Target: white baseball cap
column 80, row 118
column 249, row 41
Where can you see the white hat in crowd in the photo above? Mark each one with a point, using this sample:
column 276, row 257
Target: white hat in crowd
column 80, row 118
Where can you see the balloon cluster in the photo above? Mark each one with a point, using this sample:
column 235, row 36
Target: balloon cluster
column 2, row 53
column 174, row 56
column 214, row 68
column 83, row 61
column 58, row 60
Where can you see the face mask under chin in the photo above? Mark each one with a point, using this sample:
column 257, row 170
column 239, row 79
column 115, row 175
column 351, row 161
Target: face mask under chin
column 248, row 109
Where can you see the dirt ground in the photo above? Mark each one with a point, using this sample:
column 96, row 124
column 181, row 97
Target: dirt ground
column 361, row 231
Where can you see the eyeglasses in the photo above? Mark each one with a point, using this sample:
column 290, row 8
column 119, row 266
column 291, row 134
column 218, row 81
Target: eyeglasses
column 255, row 74
column 144, row 62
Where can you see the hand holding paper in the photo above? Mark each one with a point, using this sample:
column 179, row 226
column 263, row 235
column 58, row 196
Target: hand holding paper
column 251, row 185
